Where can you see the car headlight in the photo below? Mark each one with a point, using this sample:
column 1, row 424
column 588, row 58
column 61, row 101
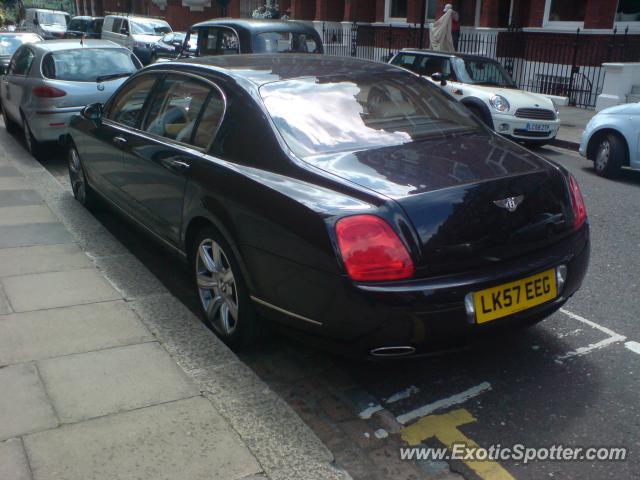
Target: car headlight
column 500, row 103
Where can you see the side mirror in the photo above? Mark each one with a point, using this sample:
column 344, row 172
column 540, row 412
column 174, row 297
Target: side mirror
column 92, row 112
column 440, row 77
column 124, row 31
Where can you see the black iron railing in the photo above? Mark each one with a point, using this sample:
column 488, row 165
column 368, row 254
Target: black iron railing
column 567, row 65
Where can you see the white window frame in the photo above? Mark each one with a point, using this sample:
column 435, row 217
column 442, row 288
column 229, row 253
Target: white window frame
column 387, row 14
column 633, row 26
column 555, row 24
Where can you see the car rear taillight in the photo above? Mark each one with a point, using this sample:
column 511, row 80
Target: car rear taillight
column 48, row 92
column 371, row 250
column 577, row 203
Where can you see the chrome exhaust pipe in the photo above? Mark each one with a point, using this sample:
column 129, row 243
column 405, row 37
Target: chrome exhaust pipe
column 398, row 351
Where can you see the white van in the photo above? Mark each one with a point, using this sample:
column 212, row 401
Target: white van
column 138, row 34
column 49, row 24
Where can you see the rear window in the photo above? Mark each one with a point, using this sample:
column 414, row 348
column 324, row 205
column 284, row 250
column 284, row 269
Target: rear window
column 87, row 64
column 285, row 42
column 335, row 114
column 79, row 25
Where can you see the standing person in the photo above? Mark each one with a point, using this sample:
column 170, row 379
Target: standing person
column 455, row 25
column 440, row 33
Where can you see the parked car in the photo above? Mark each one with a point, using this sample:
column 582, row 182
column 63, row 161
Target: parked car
column 486, row 89
column 84, row 27
column 345, row 199
column 228, row 36
column 610, row 139
column 49, row 24
column 172, row 44
column 47, row 82
column 10, row 42
column 138, row 34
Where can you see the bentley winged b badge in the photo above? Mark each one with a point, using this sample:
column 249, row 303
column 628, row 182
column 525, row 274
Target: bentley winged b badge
column 509, row 203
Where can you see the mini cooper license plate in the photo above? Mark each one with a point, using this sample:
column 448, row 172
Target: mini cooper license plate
column 509, row 298
column 537, row 127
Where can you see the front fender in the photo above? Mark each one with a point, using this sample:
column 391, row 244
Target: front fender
column 482, row 106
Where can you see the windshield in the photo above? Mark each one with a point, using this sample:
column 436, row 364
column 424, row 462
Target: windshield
column 482, row 72
column 149, row 27
column 285, row 42
column 333, row 114
column 87, row 64
column 52, row 18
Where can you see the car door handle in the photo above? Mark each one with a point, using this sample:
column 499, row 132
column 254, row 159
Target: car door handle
column 179, row 165
column 119, row 140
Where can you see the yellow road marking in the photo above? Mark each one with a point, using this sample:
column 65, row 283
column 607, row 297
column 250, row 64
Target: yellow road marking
column 445, row 428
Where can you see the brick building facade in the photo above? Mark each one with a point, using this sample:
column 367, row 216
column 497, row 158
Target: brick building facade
column 592, row 16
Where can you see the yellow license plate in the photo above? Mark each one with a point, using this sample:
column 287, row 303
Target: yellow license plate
column 503, row 300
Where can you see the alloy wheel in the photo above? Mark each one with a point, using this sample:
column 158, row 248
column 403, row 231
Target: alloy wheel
column 76, row 176
column 602, row 157
column 217, row 287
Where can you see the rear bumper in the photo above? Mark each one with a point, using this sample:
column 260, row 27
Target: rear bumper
column 430, row 316
column 48, row 125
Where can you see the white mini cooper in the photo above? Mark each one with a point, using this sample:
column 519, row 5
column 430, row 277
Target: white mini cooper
column 486, row 88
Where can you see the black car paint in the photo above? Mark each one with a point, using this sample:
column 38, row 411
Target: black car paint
column 278, row 212
column 246, row 31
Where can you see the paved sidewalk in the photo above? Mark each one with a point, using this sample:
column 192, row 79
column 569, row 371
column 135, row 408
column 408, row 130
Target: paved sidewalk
column 572, row 123
column 105, row 375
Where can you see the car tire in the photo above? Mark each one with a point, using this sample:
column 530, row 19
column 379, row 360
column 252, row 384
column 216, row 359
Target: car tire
column 33, row 145
column 10, row 125
column 478, row 113
column 222, row 290
column 82, row 192
column 609, row 155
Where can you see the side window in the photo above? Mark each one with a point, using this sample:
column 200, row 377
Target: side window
column 21, row 62
column 185, row 110
column 208, row 41
column 406, row 61
column 229, row 43
column 430, row 65
column 129, row 102
column 117, row 25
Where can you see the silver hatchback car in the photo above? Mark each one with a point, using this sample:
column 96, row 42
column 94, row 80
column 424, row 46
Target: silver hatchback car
column 47, row 83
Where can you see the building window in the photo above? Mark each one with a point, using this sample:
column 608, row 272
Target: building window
column 398, row 9
column 566, row 10
column 628, row 11
column 432, row 9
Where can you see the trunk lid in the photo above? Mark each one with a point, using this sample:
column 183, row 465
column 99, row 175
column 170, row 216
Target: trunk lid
column 449, row 189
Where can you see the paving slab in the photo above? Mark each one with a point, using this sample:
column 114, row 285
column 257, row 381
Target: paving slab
column 13, row 461
column 24, row 406
column 114, row 380
column 15, row 198
column 45, row 334
column 9, row 171
column 33, row 234
column 57, row 289
column 41, row 259
column 26, row 214
column 186, row 439
column 14, row 183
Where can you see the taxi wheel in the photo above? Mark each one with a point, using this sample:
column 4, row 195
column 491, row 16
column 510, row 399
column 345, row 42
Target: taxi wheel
column 609, row 156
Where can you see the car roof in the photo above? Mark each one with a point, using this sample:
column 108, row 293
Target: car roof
column 72, row 44
column 260, row 69
column 423, row 51
column 257, row 25
column 86, row 17
column 135, row 17
column 19, row 34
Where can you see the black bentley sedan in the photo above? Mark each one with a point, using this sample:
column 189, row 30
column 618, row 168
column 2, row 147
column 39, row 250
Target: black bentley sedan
column 227, row 36
column 350, row 201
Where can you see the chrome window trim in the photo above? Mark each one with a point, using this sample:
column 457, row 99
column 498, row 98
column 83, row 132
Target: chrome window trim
column 167, row 141
column 282, row 310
